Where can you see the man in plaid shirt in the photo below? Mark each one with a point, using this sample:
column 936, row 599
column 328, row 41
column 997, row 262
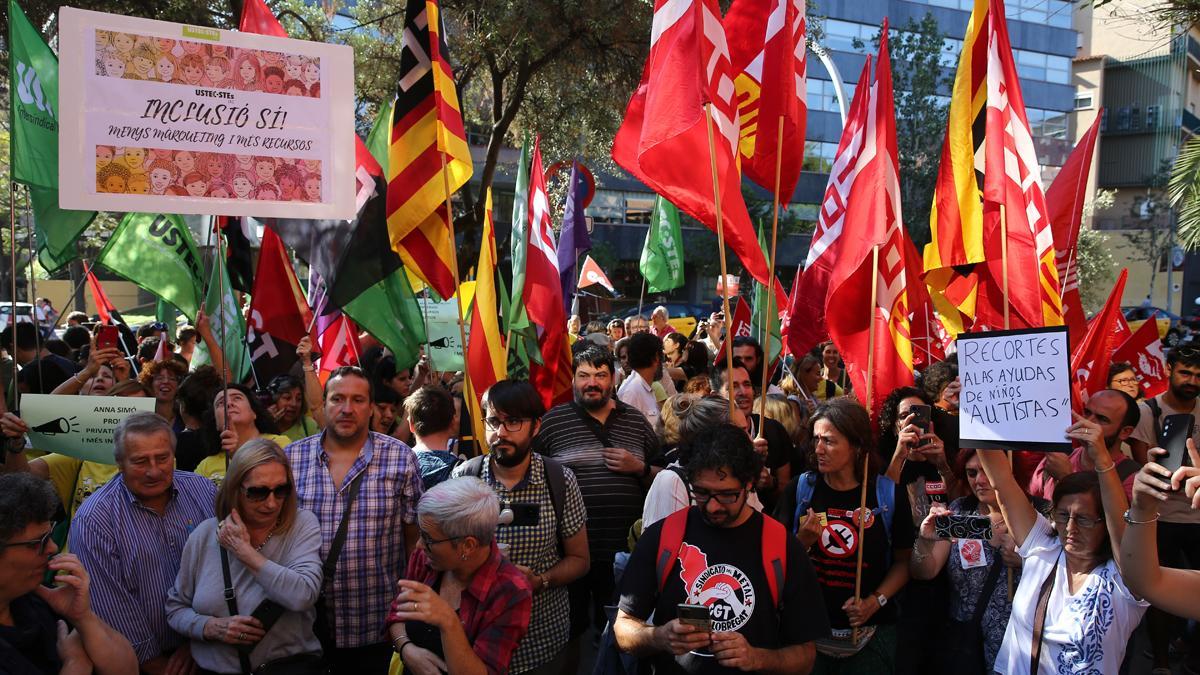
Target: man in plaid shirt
column 551, row 550
column 382, row 529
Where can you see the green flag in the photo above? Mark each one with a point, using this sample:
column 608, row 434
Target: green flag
column 766, row 328
column 225, row 317
column 389, row 311
column 519, row 240
column 156, row 252
column 33, row 145
column 379, row 140
column 662, row 256
column 165, row 313
column 33, row 90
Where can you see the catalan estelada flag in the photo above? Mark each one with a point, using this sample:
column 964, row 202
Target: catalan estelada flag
column 427, row 139
column 956, row 219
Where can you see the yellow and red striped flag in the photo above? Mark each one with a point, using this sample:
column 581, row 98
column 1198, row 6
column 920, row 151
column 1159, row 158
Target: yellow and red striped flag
column 487, row 359
column 427, row 139
column 956, row 219
column 1012, row 190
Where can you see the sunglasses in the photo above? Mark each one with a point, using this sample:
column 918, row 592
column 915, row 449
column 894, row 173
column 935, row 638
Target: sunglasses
column 38, row 545
column 259, row 493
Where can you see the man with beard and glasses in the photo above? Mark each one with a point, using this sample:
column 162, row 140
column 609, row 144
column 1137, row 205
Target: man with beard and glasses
column 547, row 538
column 764, row 606
column 609, row 445
column 348, row 469
column 1117, row 414
column 1179, row 524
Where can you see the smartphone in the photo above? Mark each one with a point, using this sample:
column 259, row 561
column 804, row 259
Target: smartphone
column 1176, row 429
column 267, row 612
column 920, row 417
column 525, row 515
column 107, row 337
column 955, row 526
column 694, row 615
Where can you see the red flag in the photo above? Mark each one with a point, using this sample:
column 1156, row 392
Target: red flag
column 663, row 140
column 339, row 346
column 1143, row 350
column 1064, row 203
column 104, row 306
column 279, row 313
column 873, row 224
column 590, row 274
column 925, row 330
column 1090, row 358
column 738, row 327
column 808, row 326
column 766, row 46
column 257, row 18
column 1012, row 180
column 543, row 293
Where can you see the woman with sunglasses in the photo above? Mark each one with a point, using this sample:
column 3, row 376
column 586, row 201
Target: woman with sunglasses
column 270, row 550
column 34, row 635
column 462, row 606
column 1072, row 610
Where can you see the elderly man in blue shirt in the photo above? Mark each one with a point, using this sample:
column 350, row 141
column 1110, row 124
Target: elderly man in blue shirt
column 130, row 536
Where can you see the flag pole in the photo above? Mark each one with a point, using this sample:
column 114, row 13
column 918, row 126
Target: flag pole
column 1007, row 326
column 220, row 260
column 37, row 328
column 12, row 238
column 712, row 160
column 862, row 510
column 771, row 273
column 642, row 295
column 462, row 328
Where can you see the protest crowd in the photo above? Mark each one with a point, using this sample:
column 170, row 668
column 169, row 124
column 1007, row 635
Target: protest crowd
column 899, row 466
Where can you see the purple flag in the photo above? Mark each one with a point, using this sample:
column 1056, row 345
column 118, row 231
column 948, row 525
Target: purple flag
column 574, row 238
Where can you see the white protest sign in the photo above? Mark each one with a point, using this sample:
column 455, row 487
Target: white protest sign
column 1016, row 390
column 441, row 321
column 78, row 426
column 162, row 117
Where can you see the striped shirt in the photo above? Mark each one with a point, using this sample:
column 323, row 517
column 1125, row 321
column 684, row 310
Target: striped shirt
column 537, row 547
column 373, row 558
column 132, row 556
column 614, row 501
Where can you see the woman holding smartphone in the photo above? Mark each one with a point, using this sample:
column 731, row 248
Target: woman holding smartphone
column 1072, row 609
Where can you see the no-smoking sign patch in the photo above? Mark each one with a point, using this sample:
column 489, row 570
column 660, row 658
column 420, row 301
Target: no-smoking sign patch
column 839, row 540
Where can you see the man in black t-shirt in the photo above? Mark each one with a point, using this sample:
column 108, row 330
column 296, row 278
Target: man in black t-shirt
column 762, row 620
column 738, row 384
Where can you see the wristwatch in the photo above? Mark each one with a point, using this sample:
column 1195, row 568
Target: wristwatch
column 881, row 599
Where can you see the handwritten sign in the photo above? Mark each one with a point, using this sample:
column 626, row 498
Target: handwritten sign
column 1016, row 390
column 164, row 117
column 78, row 426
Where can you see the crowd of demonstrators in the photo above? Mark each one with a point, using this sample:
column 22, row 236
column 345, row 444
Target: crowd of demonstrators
column 371, row 532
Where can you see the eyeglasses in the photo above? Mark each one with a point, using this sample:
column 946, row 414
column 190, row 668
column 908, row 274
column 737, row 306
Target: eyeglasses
column 702, row 496
column 259, row 493
column 510, row 424
column 430, row 542
column 38, row 545
column 1062, row 518
column 1125, row 380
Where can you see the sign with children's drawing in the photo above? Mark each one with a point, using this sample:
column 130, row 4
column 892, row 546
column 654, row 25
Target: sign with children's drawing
column 163, row 117
column 1016, row 390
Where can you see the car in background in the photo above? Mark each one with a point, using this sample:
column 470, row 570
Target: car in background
column 24, row 313
column 683, row 316
column 1171, row 327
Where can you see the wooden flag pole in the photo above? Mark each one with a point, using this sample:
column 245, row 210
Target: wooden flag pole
column 712, row 159
column 766, row 375
column 862, row 507
column 462, row 328
column 1007, row 326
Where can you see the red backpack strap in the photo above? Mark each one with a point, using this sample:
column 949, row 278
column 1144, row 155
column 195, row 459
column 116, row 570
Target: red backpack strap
column 774, row 556
column 670, row 540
